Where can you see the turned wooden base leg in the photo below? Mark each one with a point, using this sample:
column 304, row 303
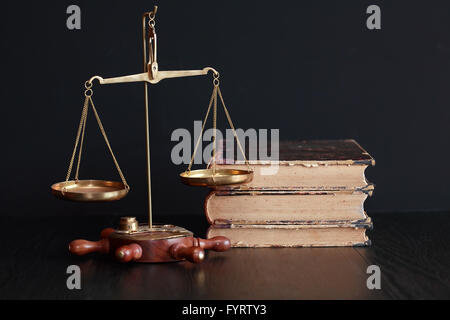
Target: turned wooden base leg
column 218, row 243
column 81, row 247
column 192, row 254
column 127, row 253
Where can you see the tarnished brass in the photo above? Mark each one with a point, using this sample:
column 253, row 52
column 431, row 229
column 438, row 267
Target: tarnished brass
column 157, row 232
column 161, row 75
column 212, row 177
column 90, row 190
column 221, row 177
column 128, row 224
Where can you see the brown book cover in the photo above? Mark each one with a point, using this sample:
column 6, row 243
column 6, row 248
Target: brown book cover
column 304, row 165
column 305, row 235
column 284, row 207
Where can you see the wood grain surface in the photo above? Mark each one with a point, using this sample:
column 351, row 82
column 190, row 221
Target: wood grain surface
column 412, row 250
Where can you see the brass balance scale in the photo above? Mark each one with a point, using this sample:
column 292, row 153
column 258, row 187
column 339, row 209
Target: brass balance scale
column 148, row 242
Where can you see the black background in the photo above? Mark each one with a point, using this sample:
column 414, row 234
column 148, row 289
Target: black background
column 310, row 68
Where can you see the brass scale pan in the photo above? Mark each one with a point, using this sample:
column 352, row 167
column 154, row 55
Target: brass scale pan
column 90, row 190
column 222, row 177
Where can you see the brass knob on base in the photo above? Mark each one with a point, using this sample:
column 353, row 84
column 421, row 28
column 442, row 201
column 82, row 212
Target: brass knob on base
column 128, row 224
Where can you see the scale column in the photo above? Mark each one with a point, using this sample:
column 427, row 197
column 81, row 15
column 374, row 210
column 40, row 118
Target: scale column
column 147, row 149
column 152, row 58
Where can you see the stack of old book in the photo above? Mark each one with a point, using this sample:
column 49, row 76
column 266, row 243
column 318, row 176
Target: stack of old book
column 314, row 198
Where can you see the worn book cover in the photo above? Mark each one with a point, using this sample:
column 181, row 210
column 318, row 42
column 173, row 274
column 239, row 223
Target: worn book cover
column 302, row 165
column 300, row 235
column 284, row 206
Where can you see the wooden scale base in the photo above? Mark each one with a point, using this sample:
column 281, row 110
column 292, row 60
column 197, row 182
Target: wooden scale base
column 164, row 243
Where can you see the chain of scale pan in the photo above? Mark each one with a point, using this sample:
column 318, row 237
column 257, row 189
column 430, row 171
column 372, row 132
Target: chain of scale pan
column 212, row 101
column 80, row 134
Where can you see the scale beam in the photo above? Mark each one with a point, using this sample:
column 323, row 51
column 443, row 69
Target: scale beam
column 147, row 77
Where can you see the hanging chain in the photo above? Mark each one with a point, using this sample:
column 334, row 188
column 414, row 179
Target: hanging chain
column 151, row 19
column 81, row 132
column 87, row 94
column 232, row 127
column 108, row 144
column 213, row 101
column 80, row 127
column 214, row 93
column 152, row 49
column 216, row 87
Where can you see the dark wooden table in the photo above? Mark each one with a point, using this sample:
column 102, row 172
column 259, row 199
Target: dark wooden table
column 411, row 249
